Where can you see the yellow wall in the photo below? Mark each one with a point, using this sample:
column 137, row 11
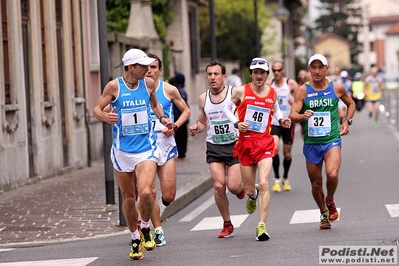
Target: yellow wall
column 338, row 51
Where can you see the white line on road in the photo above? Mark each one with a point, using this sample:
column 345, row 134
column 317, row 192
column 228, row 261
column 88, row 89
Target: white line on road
column 211, row 223
column 6, row 249
column 197, row 211
column 307, row 216
column 393, row 209
column 63, row 262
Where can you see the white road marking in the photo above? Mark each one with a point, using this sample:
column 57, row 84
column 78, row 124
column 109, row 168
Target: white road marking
column 6, row 249
column 63, row 262
column 307, row 216
column 197, row 211
column 393, row 209
column 211, row 223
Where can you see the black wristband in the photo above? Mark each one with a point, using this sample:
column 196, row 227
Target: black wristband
column 236, row 124
column 160, row 118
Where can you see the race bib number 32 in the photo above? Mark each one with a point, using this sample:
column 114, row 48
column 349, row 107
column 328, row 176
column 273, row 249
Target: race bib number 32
column 319, row 124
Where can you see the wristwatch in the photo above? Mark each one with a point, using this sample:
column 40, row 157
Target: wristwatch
column 349, row 121
column 175, row 127
column 236, row 124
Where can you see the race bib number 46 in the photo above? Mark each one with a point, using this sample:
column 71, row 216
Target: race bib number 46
column 257, row 118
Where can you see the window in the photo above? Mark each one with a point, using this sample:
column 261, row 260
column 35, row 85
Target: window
column 6, row 60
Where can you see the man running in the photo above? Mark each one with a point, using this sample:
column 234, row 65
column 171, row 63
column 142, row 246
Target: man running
column 316, row 103
column 285, row 89
column 220, row 139
column 256, row 104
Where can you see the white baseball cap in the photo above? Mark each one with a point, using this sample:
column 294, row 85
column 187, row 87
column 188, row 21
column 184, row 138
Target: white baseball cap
column 344, row 74
column 319, row 57
column 136, row 56
column 260, row 63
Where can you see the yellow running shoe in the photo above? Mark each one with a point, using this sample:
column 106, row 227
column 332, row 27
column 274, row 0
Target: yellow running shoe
column 147, row 241
column 251, row 203
column 286, row 184
column 324, row 221
column 261, row 233
column 135, row 250
column 276, row 185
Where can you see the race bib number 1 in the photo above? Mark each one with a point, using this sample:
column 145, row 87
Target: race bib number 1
column 135, row 121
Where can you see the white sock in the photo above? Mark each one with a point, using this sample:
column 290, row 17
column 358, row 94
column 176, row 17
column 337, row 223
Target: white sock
column 159, row 228
column 135, row 234
column 255, row 195
column 144, row 224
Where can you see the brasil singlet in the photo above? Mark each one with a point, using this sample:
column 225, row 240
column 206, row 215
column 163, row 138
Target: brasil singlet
column 283, row 95
column 322, row 127
column 220, row 130
column 373, row 92
column 167, row 106
column 257, row 111
column 132, row 132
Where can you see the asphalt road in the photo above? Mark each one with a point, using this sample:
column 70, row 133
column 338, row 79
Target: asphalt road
column 367, row 195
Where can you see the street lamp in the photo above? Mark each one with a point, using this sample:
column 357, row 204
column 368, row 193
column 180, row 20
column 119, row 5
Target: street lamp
column 282, row 14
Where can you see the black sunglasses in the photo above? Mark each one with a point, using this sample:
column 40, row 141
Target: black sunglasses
column 277, row 70
column 258, row 62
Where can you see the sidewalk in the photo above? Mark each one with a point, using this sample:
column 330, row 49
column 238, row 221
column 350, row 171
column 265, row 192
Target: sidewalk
column 72, row 206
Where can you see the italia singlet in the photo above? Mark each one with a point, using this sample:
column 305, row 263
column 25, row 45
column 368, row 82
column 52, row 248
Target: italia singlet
column 220, row 130
column 167, row 106
column 283, row 95
column 132, row 132
column 322, row 127
column 257, row 111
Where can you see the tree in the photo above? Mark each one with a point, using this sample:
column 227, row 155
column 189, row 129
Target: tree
column 342, row 18
column 234, row 29
column 118, row 12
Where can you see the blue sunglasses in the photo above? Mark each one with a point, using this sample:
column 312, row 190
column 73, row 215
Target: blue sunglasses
column 258, row 62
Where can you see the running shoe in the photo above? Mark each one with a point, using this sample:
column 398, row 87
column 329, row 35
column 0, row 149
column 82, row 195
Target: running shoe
column 135, row 250
column 286, row 184
column 375, row 125
column 324, row 221
column 251, row 203
column 227, row 231
column 332, row 209
column 261, row 233
column 147, row 240
column 241, row 195
column 159, row 237
column 276, row 185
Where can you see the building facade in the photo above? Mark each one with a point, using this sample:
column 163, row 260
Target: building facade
column 51, row 79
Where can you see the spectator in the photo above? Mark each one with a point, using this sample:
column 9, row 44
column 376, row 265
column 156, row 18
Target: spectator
column 181, row 134
column 234, row 79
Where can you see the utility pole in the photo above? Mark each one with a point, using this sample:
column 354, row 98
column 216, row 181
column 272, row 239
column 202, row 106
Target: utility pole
column 212, row 26
column 104, row 70
column 257, row 41
column 366, row 42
